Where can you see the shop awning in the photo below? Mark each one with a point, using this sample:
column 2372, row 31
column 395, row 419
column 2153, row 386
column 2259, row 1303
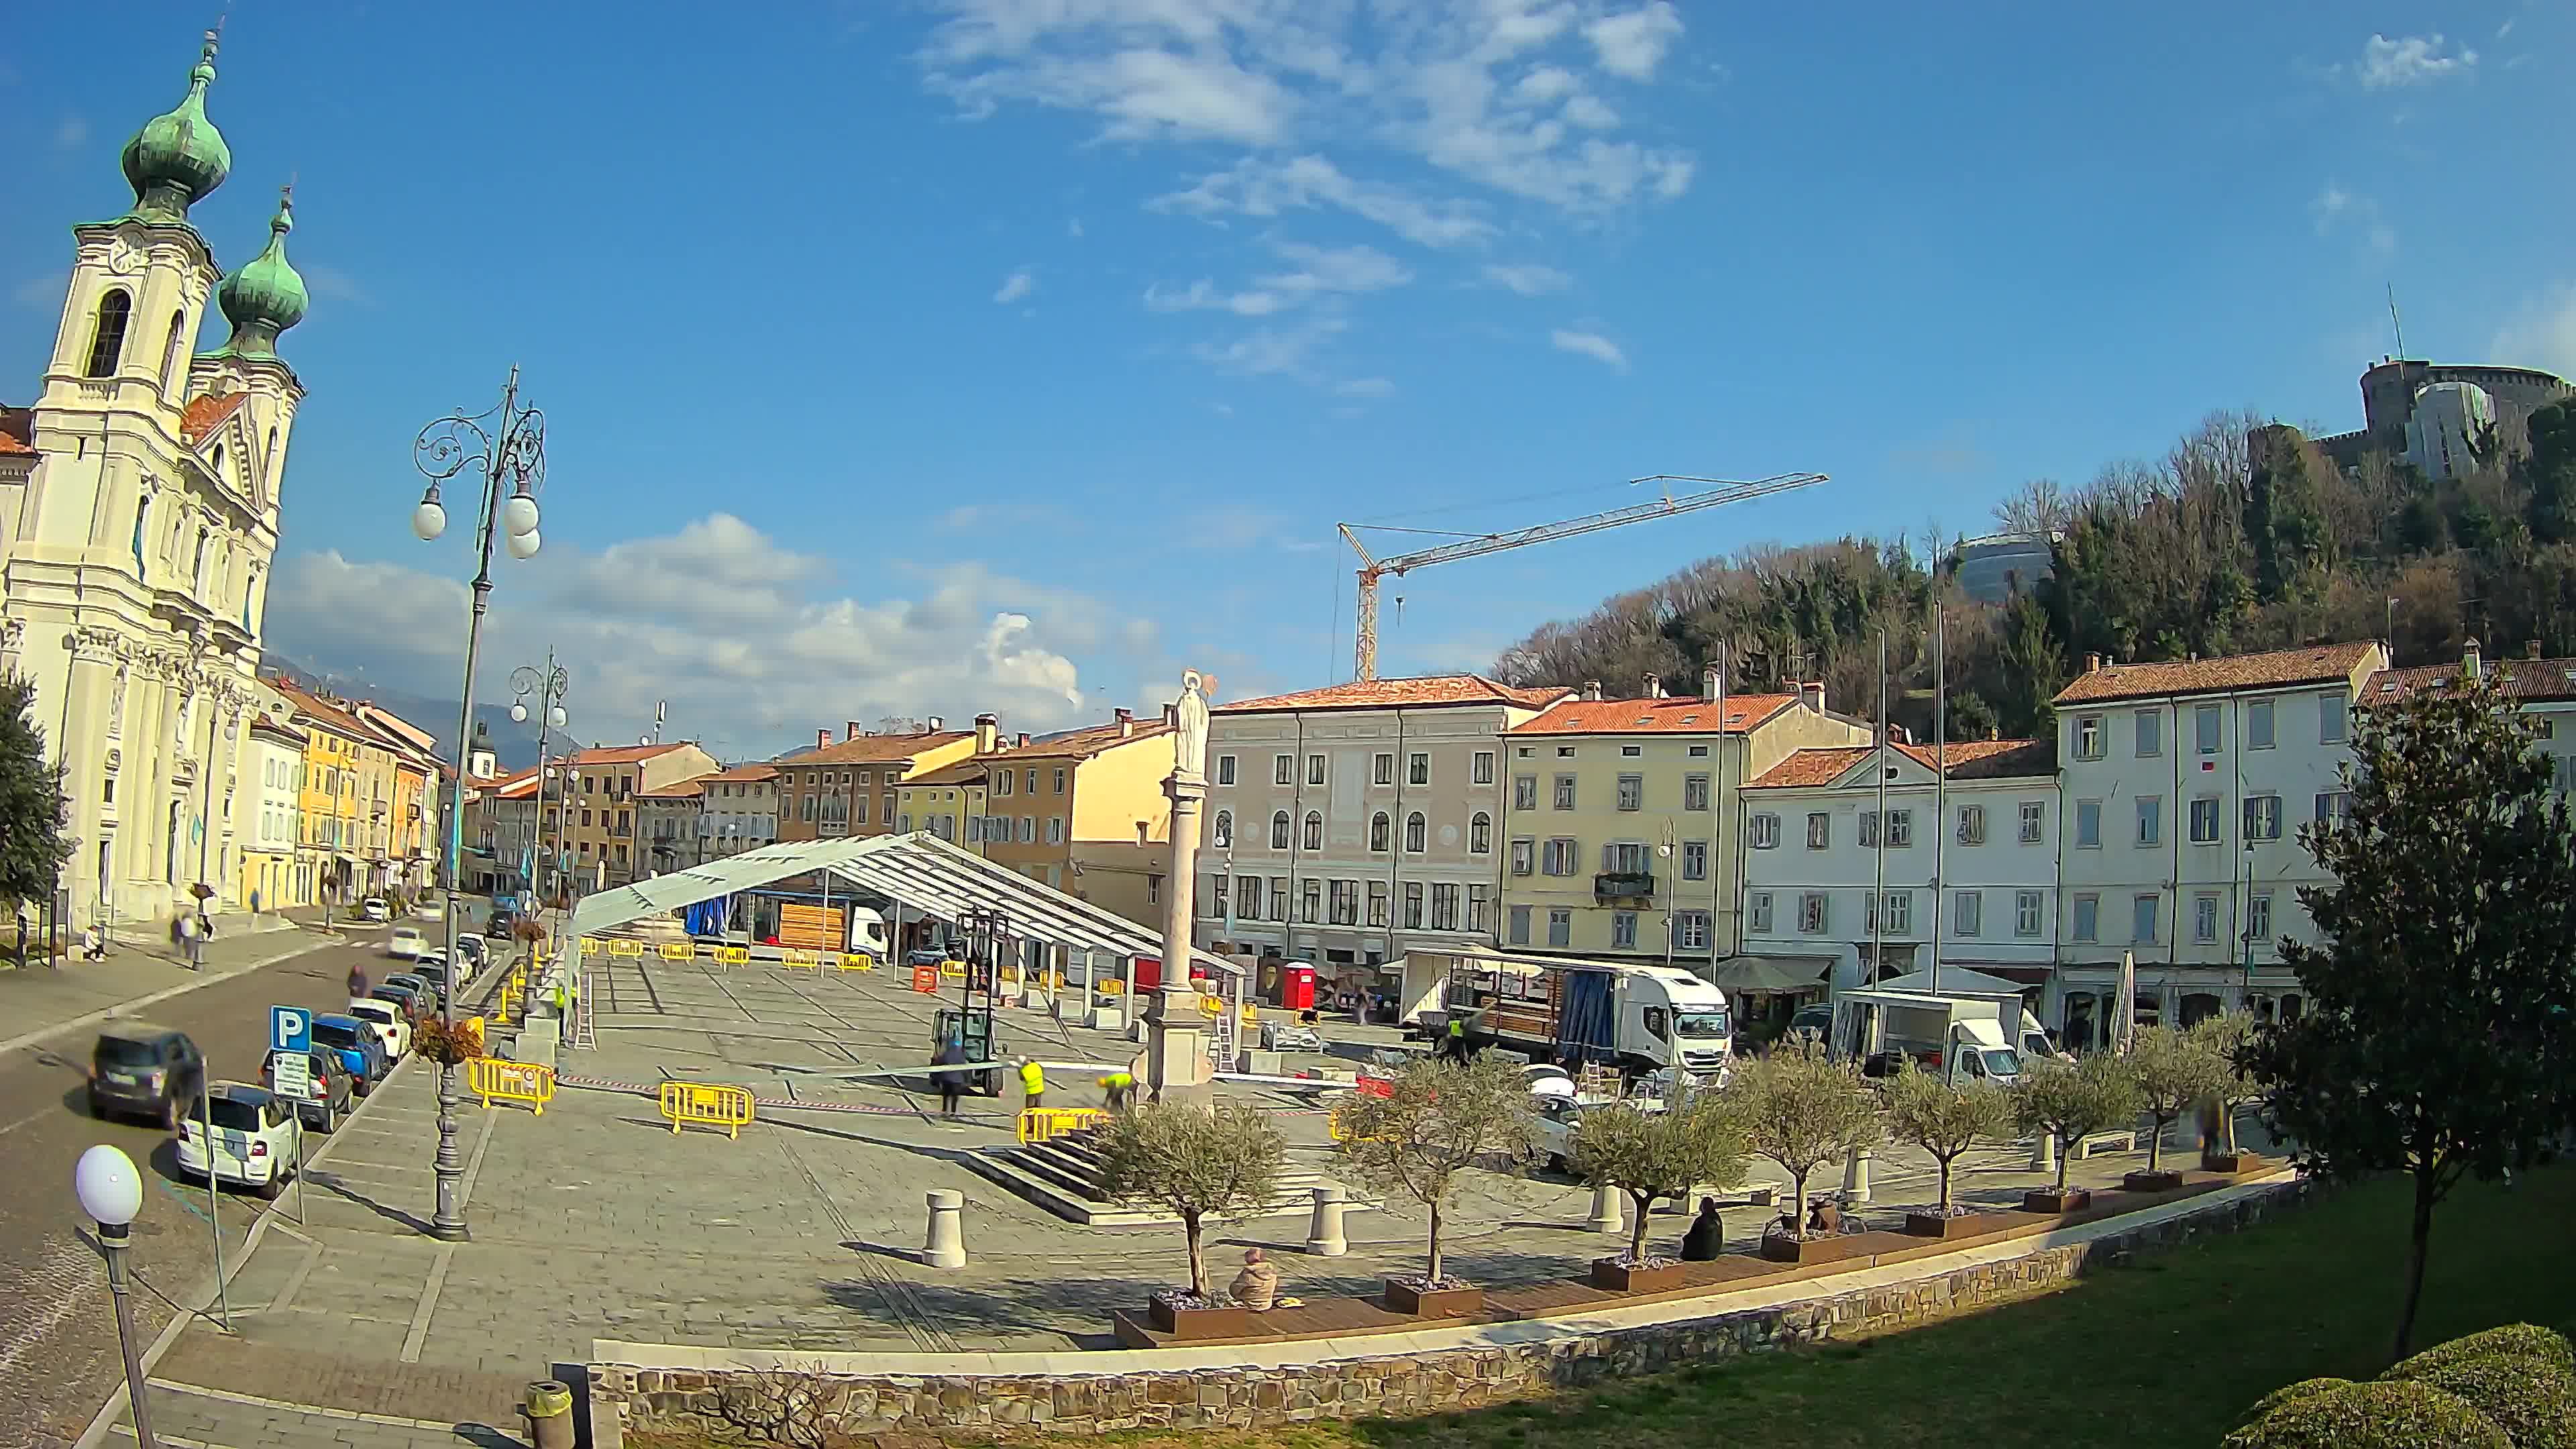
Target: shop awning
column 1772, row 973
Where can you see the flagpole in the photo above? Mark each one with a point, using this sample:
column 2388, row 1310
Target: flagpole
column 1941, row 776
column 1878, row 900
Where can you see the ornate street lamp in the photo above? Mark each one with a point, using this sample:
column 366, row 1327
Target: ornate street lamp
column 507, row 445
column 111, row 1192
column 547, row 685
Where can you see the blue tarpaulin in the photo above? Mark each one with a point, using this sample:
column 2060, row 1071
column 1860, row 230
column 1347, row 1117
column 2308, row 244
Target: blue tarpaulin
column 707, row 917
column 1585, row 1029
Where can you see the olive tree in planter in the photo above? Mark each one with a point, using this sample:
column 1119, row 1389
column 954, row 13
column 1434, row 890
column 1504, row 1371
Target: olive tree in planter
column 2228, row 1038
column 2068, row 1102
column 2173, row 1072
column 1437, row 1119
column 1802, row 1110
column 1650, row 1155
column 1944, row 1121
column 1196, row 1163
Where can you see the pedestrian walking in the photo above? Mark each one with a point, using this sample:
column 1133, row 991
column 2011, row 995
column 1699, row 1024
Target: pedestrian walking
column 952, row 1085
column 191, row 944
column 1457, row 1042
column 357, row 983
column 1032, row 1084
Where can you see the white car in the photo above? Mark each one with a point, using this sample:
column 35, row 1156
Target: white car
column 373, row 908
column 257, row 1137
column 406, row 943
column 387, row 1021
column 428, row 908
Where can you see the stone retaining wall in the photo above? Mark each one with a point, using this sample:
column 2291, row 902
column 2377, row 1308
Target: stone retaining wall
column 742, row 1403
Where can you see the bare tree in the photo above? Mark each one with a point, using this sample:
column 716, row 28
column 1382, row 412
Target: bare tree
column 1194, row 1162
column 1437, row 1119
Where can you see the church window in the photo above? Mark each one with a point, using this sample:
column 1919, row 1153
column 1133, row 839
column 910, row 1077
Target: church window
column 142, row 511
column 107, row 342
column 198, row 569
column 170, row 352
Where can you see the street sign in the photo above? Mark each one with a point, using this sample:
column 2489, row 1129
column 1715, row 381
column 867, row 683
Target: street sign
column 290, row 1030
column 291, row 1073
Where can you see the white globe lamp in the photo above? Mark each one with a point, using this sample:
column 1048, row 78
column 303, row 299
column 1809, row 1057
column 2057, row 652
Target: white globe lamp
column 110, row 1190
column 524, row 545
column 519, row 514
column 429, row 520
column 519, row 713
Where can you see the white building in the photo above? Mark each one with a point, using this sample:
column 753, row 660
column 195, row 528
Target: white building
column 1827, row 890
column 272, row 818
column 138, row 515
column 739, row 811
column 1343, row 822
column 2544, row 688
column 2184, row 785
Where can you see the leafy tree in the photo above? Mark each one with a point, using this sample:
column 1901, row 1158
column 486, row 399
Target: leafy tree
column 2068, row 1101
column 2173, row 1073
column 32, row 848
column 2549, row 471
column 1194, row 1162
column 1437, row 1119
column 1801, row 1109
column 1944, row 1120
column 2437, row 1037
column 2228, row 1037
column 1651, row 1155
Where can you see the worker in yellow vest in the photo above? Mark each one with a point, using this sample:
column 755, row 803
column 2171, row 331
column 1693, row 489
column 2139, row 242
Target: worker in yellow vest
column 1118, row 1089
column 1032, row 1083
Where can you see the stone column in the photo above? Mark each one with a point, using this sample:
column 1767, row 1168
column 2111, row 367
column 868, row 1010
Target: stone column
column 1324, row 1235
column 1175, row 1053
column 944, row 1246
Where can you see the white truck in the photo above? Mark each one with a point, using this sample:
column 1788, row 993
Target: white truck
column 1640, row 1017
column 1963, row 1038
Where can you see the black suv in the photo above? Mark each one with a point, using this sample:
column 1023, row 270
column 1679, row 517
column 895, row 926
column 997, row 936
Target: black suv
column 149, row 1071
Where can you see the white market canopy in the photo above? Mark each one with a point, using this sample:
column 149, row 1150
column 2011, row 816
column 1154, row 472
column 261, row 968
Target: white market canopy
column 919, row 871
column 1955, row 981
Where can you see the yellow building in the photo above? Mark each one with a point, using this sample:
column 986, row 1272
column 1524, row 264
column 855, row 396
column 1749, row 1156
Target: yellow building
column 1621, row 820
column 330, row 838
column 599, row 807
column 948, row 800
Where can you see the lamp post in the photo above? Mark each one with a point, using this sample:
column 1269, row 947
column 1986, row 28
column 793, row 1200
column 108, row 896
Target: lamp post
column 548, row 685
column 507, row 445
column 111, row 1192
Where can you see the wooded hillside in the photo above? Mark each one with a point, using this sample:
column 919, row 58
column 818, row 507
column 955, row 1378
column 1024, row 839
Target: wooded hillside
column 2222, row 546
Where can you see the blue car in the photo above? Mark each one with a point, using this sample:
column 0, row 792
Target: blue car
column 357, row 1047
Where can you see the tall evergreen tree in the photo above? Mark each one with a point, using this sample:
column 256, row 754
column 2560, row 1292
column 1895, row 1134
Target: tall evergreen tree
column 32, row 848
column 2437, row 1037
column 2549, row 470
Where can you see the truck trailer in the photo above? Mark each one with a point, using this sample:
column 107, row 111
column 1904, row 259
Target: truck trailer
column 1639, row 1017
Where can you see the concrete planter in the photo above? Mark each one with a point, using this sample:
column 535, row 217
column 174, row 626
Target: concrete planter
column 1612, row 1276
column 2050, row 1200
column 1403, row 1297
column 2163, row 1179
column 1231, row 1321
column 1780, row 1248
column 1962, row 1225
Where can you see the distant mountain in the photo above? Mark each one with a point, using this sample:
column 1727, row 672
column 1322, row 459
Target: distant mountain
column 514, row 743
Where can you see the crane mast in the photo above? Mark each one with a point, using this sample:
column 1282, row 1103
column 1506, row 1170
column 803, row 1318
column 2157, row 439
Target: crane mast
column 1474, row 545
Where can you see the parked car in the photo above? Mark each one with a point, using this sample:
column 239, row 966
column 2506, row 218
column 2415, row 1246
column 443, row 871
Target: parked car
column 429, row 908
column 327, row 1100
column 475, row 951
column 374, row 908
column 254, row 1139
column 420, row 982
column 411, row 998
column 392, row 1024
column 501, row 925
column 357, row 1048
column 147, row 1071
column 406, row 943
column 1555, row 1120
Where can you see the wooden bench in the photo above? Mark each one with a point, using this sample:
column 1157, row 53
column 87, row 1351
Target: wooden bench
column 2096, row 1143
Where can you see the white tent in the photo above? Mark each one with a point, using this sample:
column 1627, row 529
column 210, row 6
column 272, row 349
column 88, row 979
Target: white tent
column 1955, row 981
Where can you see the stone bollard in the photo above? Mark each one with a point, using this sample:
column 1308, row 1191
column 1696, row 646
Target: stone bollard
column 2043, row 1153
column 1856, row 1175
column 549, row 1414
column 1324, row 1237
column 1608, row 1215
column 945, row 1247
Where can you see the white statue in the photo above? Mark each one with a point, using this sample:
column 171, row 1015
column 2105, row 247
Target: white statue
column 1189, row 744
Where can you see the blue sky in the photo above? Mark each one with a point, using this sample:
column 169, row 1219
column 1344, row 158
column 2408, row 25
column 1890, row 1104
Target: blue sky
column 1014, row 353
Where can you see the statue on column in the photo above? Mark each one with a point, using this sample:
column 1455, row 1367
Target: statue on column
column 1189, row 743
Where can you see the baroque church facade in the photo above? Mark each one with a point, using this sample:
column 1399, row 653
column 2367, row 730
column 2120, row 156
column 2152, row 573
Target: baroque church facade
column 138, row 520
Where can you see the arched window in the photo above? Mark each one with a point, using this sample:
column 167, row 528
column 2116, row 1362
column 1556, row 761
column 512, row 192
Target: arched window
column 107, row 340
column 1279, row 831
column 1480, row 834
column 1224, row 828
column 170, row 353
column 268, row 459
column 1381, row 831
column 1415, row 829
column 219, row 460
column 142, row 512
column 1314, row 830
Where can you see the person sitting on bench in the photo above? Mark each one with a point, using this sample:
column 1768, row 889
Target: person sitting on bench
column 1257, row 1286
column 1706, row 1236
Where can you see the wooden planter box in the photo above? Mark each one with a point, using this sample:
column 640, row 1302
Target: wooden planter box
column 2163, row 1179
column 1780, row 1248
column 1963, row 1225
column 1433, row 1303
column 2050, row 1200
column 2230, row 1163
column 1231, row 1321
column 1612, row 1276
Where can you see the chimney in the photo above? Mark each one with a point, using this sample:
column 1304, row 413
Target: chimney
column 2092, row 663
column 1710, row 682
column 822, row 738
column 2531, row 648
column 1651, row 687
column 1023, row 741
column 1171, row 716
column 850, row 729
column 938, row 723
column 1813, row 692
column 2469, row 659
column 1592, row 689
column 1126, row 722
column 988, row 732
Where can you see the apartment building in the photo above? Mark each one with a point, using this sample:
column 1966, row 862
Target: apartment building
column 738, row 811
column 949, row 801
column 332, row 848
column 599, row 788
column 2183, row 786
column 1619, row 829
column 666, row 824
column 413, row 846
column 2545, row 689
column 848, row 787
column 1350, row 824
column 1085, row 812
column 1837, row 894
column 273, row 761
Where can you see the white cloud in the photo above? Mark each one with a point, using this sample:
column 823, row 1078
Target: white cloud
column 1259, row 187
column 1544, row 84
column 1591, row 114
column 1364, row 387
column 329, row 281
column 2540, row 333
column 1204, row 294
column 71, row 133
column 1589, row 344
column 2337, row 210
column 2410, row 61
column 742, row 634
column 1527, row 278
column 1017, row 285
column 1633, row 44
column 1272, row 351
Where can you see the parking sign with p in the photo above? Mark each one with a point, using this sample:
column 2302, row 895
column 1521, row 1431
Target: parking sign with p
column 290, row 1029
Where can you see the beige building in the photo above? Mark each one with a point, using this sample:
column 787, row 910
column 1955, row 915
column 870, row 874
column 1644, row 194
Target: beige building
column 949, row 801
column 848, row 787
column 739, row 811
column 1621, row 827
column 1350, row 824
column 599, row 806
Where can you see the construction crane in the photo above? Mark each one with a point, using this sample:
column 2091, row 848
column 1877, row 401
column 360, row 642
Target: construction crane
column 1472, row 545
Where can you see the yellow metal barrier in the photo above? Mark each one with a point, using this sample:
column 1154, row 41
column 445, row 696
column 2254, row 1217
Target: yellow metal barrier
column 1209, row 1006
column 857, row 961
column 799, row 958
column 1109, row 986
column 952, row 969
column 706, row 1105
column 1038, row 1124
column 495, row 1080
column 1340, row 1130
column 733, row 955
column 679, row 950
column 591, row 946
column 625, row 948
column 1251, row 1014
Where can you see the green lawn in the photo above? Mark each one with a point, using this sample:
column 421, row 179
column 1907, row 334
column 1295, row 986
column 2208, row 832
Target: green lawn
column 2169, row 1351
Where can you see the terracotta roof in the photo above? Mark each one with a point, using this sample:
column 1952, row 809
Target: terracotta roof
column 744, row 774
column 206, row 412
column 1969, row 760
column 2314, row 664
column 968, row 771
column 1429, row 689
column 17, row 430
column 1082, row 744
column 689, row 789
column 2533, row 679
column 622, row 754
column 875, row 749
column 1668, row 716
column 330, row 715
column 520, row 786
